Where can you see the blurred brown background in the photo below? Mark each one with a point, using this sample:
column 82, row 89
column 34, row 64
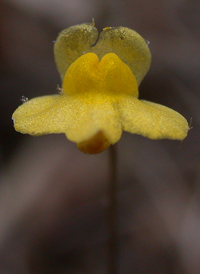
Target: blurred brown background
column 52, row 197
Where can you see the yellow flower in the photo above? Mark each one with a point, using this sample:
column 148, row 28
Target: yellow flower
column 99, row 97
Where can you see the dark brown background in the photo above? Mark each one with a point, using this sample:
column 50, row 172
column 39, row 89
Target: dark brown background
column 52, row 197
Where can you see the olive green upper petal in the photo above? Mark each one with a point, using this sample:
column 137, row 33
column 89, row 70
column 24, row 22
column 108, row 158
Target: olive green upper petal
column 127, row 44
column 72, row 43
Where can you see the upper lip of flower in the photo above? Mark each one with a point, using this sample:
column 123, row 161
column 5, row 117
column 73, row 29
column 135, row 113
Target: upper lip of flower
column 127, row 44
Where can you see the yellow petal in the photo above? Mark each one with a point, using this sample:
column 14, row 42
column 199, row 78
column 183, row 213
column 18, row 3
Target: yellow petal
column 151, row 120
column 110, row 75
column 80, row 117
column 92, row 113
column 39, row 116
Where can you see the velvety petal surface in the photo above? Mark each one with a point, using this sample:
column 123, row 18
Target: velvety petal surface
column 80, row 117
column 151, row 120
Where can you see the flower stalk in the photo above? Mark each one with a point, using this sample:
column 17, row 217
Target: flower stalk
column 113, row 213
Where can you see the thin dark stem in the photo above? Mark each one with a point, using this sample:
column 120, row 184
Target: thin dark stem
column 112, row 213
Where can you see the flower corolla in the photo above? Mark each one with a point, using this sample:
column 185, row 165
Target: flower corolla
column 99, row 94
